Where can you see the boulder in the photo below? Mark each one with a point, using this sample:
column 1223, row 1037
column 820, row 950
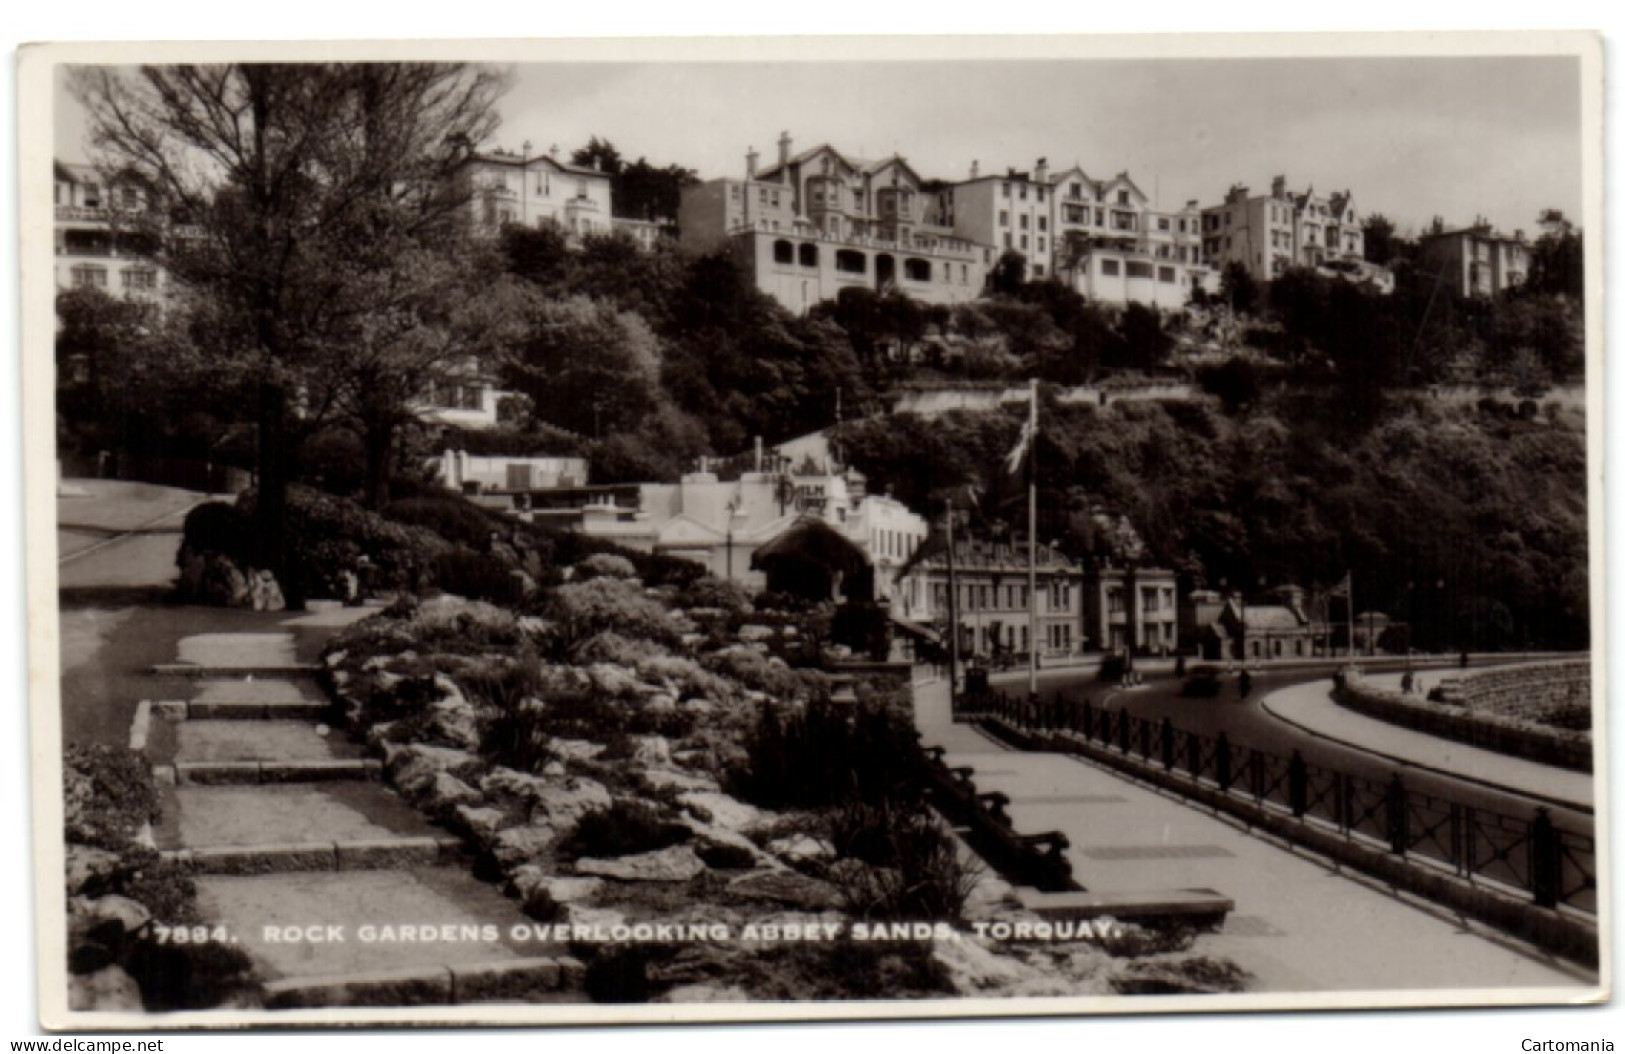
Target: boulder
column 109, row 988
column 650, row 751
column 481, row 823
column 413, row 767
column 574, row 749
column 522, row 844
column 721, row 810
column 705, row 993
column 446, row 791
column 613, row 680
column 452, row 717
column 790, row 888
column 577, row 914
column 89, row 869
column 800, row 848
column 558, row 801
column 116, row 914
column 546, row 899
column 973, row 969
column 660, row 780
column 677, row 863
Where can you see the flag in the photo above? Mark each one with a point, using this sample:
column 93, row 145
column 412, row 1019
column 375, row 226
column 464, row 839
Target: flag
column 1343, row 588
column 1029, row 430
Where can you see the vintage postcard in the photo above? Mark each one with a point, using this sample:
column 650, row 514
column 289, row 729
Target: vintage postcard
column 724, row 530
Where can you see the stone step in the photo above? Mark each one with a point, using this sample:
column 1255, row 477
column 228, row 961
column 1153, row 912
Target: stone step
column 431, row 935
column 242, row 773
column 267, row 742
column 185, row 669
column 223, row 819
column 251, row 697
column 373, row 854
column 1126, row 905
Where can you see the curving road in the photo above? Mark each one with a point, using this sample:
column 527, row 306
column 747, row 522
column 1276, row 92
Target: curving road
column 1248, row 724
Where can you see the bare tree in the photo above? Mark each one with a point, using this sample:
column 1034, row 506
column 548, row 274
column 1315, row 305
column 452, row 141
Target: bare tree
column 282, row 195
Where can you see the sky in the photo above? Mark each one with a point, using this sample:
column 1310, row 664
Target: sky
column 1412, row 138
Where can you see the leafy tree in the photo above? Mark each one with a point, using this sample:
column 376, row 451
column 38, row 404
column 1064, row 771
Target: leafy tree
column 1557, row 262
column 1009, row 273
column 585, row 366
column 296, row 185
column 1237, row 288
column 1382, row 246
column 640, row 190
column 1144, row 344
column 599, row 154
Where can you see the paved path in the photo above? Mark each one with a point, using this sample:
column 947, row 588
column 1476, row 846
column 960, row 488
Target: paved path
column 120, row 535
column 1310, row 706
column 340, row 891
column 1300, row 924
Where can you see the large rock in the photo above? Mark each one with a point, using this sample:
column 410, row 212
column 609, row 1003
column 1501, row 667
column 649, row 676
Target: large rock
column 557, row 801
column 574, row 749
column 613, row 680
column 790, row 888
column 973, row 969
column 723, row 811
column 547, row 899
column 482, row 823
column 446, row 792
column 661, row 780
column 523, row 844
column 452, row 717
column 725, row 849
column 800, row 848
column 89, row 869
column 650, row 751
column 677, row 863
column 109, row 988
column 414, row 766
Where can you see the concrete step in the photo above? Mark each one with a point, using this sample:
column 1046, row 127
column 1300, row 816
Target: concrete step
column 289, row 822
column 258, row 697
column 431, row 935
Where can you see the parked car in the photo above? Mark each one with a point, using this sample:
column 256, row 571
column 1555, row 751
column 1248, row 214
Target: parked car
column 1202, row 683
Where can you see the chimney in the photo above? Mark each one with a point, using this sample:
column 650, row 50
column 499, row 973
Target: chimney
column 1041, row 171
column 1517, row 236
column 1278, row 187
column 750, row 163
column 975, row 170
column 784, row 148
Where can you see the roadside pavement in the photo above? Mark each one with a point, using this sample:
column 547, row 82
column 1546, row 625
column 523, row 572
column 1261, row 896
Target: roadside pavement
column 1300, row 923
column 1310, row 707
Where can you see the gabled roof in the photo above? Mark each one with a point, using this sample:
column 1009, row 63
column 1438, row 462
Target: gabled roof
column 807, row 155
column 1123, row 179
column 812, row 540
column 500, row 157
column 875, row 167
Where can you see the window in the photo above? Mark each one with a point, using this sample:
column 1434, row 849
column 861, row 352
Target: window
column 93, row 196
column 1038, row 270
column 1162, row 223
column 783, row 252
column 809, row 255
column 1043, row 223
column 1077, row 190
column 140, row 280
column 850, row 261
column 88, row 277
column 1114, row 602
column 1023, row 243
column 1040, row 244
column 1025, row 219
column 1165, row 274
column 1122, row 197
column 1024, row 192
column 1004, row 218
column 1007, row 239
column 1110, row 268
column 917, row 270
column 1004, row 189
column 1139, row 269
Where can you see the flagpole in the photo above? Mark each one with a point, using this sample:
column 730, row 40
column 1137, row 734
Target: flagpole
column 1032, row 545
column 1351, row 614
column 953, row 613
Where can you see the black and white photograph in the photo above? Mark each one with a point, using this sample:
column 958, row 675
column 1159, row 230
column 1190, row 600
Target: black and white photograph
column 775, row 529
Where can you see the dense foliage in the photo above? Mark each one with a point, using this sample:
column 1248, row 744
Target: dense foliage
column 1468, row 521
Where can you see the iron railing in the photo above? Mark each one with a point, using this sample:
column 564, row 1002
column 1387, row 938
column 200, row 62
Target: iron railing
column 1528, row 855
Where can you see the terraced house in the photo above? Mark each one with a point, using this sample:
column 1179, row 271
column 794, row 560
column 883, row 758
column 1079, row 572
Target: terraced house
column 95, row 249
column 1269, row 233
column 816, row 222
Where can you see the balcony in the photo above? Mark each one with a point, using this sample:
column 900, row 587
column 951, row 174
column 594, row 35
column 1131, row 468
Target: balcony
column 81, row 214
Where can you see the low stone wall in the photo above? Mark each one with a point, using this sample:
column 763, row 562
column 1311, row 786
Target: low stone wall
column 1496, row 709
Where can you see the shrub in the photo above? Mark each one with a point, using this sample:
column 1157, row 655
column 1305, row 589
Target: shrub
column 108, row 794
column 327, row 536
column 825, row 753
column 479, row 576
column 903, row 864
column 629, row 826
column 583, row 609
column 756, row 671
column 451, row 517
column 217, row 527
column 605, row 565
column 709, row 591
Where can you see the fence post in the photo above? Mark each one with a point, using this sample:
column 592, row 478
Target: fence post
column 1457, row 857
column 1221, row 761
column 1398, row 816
column 1344, row 805
column 1193, row 754
column 1145, row 739
column 1122, row 731
column 1297, row 785
column 1167, row 745
column 1545, row 860
column 1088, row 720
